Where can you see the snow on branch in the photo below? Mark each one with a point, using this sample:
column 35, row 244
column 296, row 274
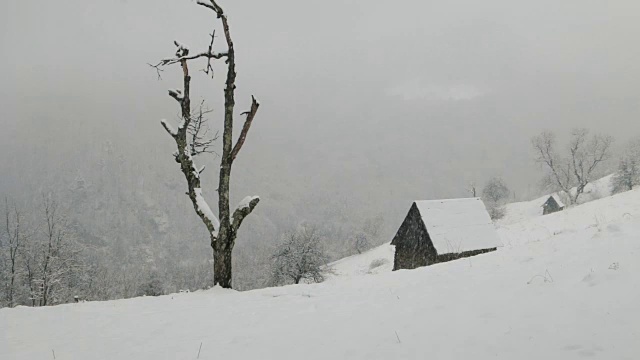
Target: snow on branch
column 173, row 132
column 244, row 208
column 177, row 94
column 246, row 202
column 182, row 50
column 203, row 208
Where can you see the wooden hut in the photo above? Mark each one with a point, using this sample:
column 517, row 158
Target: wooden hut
column 442, row 230
column 552, row 204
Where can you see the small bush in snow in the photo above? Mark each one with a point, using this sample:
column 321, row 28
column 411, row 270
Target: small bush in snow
column 300, row 256
column 494, row 193
column 153, row 287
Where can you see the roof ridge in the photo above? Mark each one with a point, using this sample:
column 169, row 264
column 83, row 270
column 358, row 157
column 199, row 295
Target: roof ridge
column 453, row 199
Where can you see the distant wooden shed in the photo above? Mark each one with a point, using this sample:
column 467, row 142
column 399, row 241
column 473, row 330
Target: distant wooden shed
column 552, row 204
column 436, row 231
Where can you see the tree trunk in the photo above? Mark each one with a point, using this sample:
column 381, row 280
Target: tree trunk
column 222, row 264
column 579, row 191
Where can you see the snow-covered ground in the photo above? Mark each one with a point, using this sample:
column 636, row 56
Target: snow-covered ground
column 516, row 212
column 564, row 286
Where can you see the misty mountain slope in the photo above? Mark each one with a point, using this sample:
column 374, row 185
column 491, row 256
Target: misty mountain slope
column 566, row 292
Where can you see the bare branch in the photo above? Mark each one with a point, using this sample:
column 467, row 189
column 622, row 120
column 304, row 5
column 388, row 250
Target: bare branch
column 202, row 3
column 600, row 149
column 213, row 6
column 158, row 70
column 182, row 54
column 544, row 144
column 245, row 129
column 209, row 68
column 198, row 129
column 170, row 61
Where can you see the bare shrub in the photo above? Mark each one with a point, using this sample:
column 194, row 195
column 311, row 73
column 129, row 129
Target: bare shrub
column 300, row 256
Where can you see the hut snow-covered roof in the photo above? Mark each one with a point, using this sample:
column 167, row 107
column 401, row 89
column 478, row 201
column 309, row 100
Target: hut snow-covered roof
column 458, row 225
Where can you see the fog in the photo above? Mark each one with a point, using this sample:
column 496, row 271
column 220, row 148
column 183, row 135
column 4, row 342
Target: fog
column 365, row 105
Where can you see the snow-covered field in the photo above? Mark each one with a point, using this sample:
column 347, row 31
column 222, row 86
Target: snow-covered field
column 564, row 286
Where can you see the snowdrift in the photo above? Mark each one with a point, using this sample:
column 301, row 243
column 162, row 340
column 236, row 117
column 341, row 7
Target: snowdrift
column 564, row 286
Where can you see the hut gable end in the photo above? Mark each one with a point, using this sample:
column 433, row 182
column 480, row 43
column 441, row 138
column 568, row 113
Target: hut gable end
column 412, row 242
column 553, row 204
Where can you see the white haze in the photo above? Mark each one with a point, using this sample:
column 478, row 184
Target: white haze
column 366, row 105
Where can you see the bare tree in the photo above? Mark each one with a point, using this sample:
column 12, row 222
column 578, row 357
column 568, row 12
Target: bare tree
column 578, row 167
column 369, row 235
column 361, row 242
column 494, row 193
column 300, row 256
column 372, row 226
column 471, row 188
column 586, row 155
column 53, row 262
column 628, row 174
column 546, row 153
column 11, row 251
column 190, row 141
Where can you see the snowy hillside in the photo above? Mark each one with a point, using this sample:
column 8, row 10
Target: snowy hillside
column 374, row 261
column 520, row 211
column 564, row 286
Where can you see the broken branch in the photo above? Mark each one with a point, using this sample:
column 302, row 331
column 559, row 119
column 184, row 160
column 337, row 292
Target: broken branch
column 245, row 129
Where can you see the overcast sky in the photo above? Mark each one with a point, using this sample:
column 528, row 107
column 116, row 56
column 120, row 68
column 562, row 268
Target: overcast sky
column 351, row 89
